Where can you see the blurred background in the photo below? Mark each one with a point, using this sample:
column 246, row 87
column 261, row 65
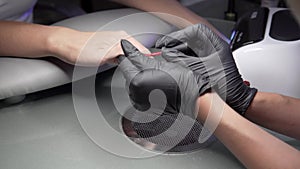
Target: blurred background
column 221, row 13
column 50, row 11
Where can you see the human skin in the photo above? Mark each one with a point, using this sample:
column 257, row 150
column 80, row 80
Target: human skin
column 252, row 145
column 75, row 47
column 276, row 112
column 171, row 11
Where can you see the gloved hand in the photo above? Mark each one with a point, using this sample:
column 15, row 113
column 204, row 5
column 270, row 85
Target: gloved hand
column 209, row 57
column 143, row 75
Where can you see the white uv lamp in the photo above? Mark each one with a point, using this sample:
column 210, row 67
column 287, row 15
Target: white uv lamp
column 266, row 47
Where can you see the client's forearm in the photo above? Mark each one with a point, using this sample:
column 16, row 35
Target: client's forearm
column 254, row 147
column 171, row 11
column 23, row 39
column 183, row 16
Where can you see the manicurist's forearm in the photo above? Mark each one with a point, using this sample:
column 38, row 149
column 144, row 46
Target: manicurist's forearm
column 277, row 112
column 253, row 146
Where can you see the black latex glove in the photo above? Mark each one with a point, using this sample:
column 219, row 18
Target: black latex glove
column 209, row 57
column 143, row 75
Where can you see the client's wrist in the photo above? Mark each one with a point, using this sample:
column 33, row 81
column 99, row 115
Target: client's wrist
column 58, row 44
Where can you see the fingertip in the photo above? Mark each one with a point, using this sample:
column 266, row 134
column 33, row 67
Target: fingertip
column 127, row 47
column 169, row 54
column 162, row 42
column 158, row 44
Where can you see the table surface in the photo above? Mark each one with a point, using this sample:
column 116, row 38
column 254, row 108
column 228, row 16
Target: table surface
column 44, row 132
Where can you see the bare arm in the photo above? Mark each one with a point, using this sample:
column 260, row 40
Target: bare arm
column 88, row 48
column 22, row 39
column 183, row 16
column 276, row 112
column 254, row 147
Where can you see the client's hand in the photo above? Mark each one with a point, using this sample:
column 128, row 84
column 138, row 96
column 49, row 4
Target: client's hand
column 209, row 57
column 89, row 48
column 143, row 75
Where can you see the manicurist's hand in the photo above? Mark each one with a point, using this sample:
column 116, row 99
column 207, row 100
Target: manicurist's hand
column 209, row 57
column 144, row 75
